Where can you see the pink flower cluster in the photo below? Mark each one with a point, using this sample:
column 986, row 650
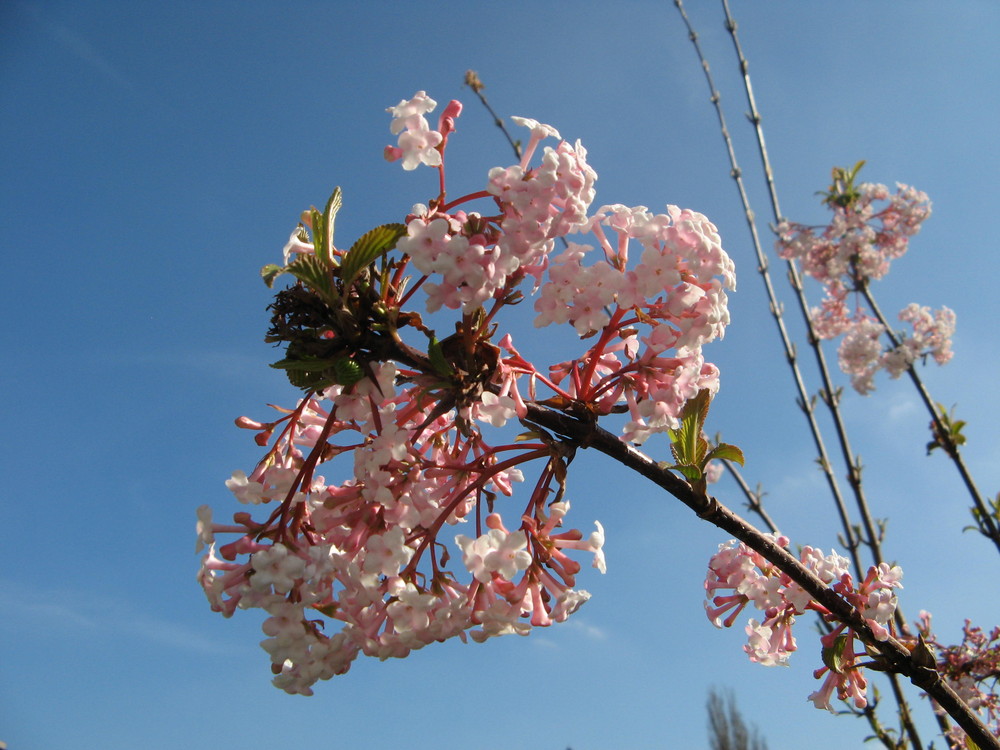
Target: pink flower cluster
column 861, row 354
column 676, row 290
column 476, row 257
column 351, row 551
column 418, row 144
column 857, row 246
column 972, row 668
column 367, row 553
column 752, row 579
column 860, row 241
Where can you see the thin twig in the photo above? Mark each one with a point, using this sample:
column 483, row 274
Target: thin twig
column 754, row 504
column 805, row 402
column 942, row 433
column 830, row 394
column 473, row 82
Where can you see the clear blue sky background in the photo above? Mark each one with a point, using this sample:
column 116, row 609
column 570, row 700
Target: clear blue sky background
column 155, row 155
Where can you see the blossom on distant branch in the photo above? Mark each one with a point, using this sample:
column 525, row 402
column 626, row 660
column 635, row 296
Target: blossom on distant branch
column 755, row 581
column 972, row 669
column 855, row 248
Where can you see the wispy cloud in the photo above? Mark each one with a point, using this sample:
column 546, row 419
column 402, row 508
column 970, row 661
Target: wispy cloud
column 902, row 407
column 220, row 364
column 84, row 50
column 58, row 611
column 590, row 631
column 551, row 639
column 77, row 45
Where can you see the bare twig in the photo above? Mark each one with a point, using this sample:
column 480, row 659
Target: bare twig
column 754, row 497
column 830, row 394
column 805, row 402
column 984, row 520
column 473, row 82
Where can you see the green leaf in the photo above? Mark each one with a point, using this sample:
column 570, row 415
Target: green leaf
column 726, row 452
column 312, row 272
column 330, row 216
column 308, row 381
column 270, row 272
column 691, row 473
column 312, row 373
column 308, row 364
column 318, row 225
column 369, row 247
column 437, row 358
column 322, row 226
column 833, row 656
column 686, row 442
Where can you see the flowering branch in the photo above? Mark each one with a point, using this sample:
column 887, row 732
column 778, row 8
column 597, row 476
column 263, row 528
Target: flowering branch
column 406, row 414
column 888, row 654
column 842, row 192
column 831, row 397
column 806, row 403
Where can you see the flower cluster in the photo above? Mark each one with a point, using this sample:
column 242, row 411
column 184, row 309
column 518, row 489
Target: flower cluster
column 677, row 290
column 418, row 144
column 404, row 426
column 857, row 246
column 860, row 241
column 753, row 580
column 349, row 551
column 972, row 668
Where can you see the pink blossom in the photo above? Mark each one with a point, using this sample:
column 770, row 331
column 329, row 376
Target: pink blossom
column 410, row 439
column 417, row 142
column 753, row 580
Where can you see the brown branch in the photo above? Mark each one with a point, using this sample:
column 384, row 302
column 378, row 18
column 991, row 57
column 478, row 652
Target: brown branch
column 893, row 654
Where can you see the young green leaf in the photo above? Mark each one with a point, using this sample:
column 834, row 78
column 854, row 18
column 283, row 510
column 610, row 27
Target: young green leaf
column 691, row 473
column 270, row 272
column 833, row 656
column 369, row 247
column 686, row 442
column 312, row 272
column 726, row 452
column 318, row 223
column 329, row 217
column 306, row 364
column 347, row 371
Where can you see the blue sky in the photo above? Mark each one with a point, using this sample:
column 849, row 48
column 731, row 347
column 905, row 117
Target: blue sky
column 156, row 155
